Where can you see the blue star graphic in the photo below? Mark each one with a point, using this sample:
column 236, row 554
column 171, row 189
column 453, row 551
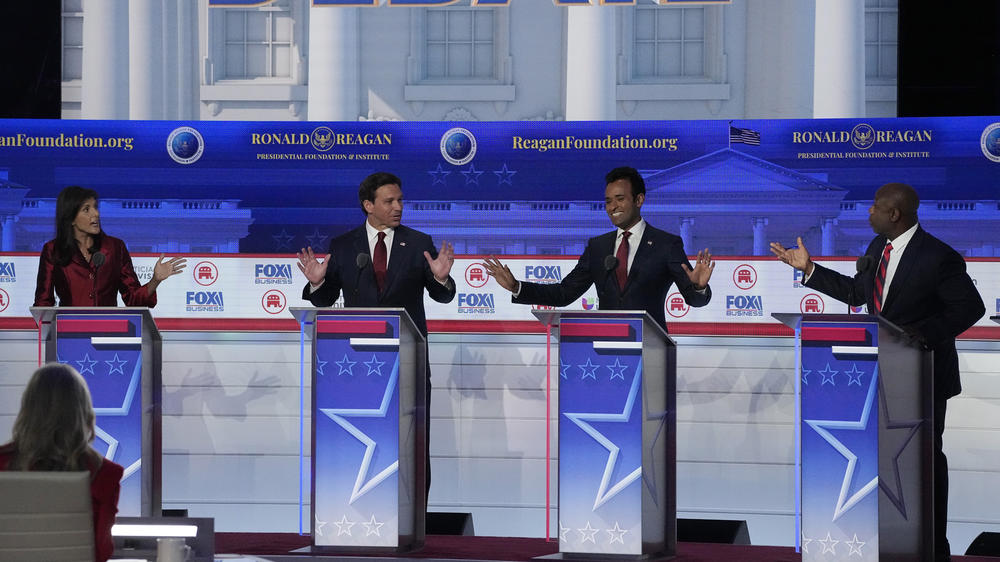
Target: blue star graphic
column 319, row 366
column 562, row 369
column 805, row 373
column 361, row 487
column 346, row 366
column 504, row 175
column 854, row 375
column 116, row 365
column 86, row 365
column 894, row 493
column 822, row 427
column 828, row 375
column 588, row 370
column 316, row 239
column 604, row 491
column 438, row 175
column 472, row 175
column 283, row 240
column 617, row 370
column 374, row 366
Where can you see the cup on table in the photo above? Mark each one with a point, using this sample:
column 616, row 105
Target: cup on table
column 172, row 549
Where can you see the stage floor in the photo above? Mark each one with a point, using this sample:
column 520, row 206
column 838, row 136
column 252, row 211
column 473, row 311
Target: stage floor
column 278, row 547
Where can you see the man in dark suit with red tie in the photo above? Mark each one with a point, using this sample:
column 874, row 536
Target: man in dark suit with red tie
column 918, row 283
column 382, row 263
column 632, row 267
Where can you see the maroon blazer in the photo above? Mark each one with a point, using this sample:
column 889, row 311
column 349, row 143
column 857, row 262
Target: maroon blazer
column 105, row 484
column 75, row 285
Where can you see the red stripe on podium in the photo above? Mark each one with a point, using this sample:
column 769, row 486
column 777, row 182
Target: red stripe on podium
column 87, row 326
column 595, row 330
column 853, row 334
column 351, row 327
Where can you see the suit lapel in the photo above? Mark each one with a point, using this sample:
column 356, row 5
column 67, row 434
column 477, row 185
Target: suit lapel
column 645, row 248
column 910, row 254
column 398, row 256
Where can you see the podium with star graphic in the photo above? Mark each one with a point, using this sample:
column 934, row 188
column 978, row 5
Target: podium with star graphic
column 865, row 423
column 118, row 351
column 617, row 435
column 369, row 416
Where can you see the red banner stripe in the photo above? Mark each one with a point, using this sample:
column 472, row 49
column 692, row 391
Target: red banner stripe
column 592, row 330
column 351, row 327
column 816, row 333
column 92, row 326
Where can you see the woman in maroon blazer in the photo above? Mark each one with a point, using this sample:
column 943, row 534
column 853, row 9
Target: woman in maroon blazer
column 53, row 431
column 83, row 266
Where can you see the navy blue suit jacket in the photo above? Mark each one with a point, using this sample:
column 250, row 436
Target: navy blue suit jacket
column 931, row 295
column 655, row 267
column 407, row 275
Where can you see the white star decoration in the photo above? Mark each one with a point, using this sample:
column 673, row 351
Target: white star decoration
column 346, row 366
column 338, row 414
column 89, row 368
column 372, row 527
column 855, row 546
column 318, row 527
column 587, row 533
column 617, row 534
column 617, row 370
column 374, row 366
column 116, row 365
column 828, row 544
column 562, row 533
column 344, row 526
column 828, row 375
column 822, row 426
column 854, row 375
column 604, row 493
column 588, row 370
column 805, row 544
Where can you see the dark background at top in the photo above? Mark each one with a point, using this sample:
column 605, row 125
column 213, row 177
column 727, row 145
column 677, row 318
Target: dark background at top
column 948, row 59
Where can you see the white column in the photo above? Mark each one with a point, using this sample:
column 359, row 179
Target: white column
column 829, row 237
column 759, row 236
column 590, row 63
column 8, row 240
column 334, row 64
column 686, row 224
column 839, row 81
column 145, row 59
column 104, row 91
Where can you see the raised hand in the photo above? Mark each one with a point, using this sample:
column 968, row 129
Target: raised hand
column 312, row 268
column 703, row 268
column 441, row 265
column 164, row 269
column 501, row 273
column 795, row 257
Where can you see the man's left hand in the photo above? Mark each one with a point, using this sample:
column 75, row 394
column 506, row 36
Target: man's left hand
column 441, row 265
column 702, row 272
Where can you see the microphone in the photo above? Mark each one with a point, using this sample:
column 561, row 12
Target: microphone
column 610, row 263
column 96, row 260
column 362, row 261
column 864, row 263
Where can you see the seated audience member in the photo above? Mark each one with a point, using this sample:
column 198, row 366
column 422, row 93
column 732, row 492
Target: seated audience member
column 53, row 431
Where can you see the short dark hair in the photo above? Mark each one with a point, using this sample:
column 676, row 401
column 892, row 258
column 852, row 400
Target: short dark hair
column 630, row 174
column 371, row 184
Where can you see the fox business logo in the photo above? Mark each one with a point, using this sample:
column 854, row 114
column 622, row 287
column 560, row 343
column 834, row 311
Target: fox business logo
column 863, row 136
column 272, row 274
column 476, row 303
column 204, row 301
column 7, row 274
column 543, row 273
column 744, row 305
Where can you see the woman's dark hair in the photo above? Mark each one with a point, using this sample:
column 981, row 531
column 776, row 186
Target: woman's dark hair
column 67, row 207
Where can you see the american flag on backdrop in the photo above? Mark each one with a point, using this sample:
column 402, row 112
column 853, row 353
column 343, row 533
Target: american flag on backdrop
column 743, row 136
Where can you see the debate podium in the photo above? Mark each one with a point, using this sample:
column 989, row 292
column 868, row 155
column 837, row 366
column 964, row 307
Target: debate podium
column 118, row 351
column 864, row 418
column 617, row 435
column 368, row 368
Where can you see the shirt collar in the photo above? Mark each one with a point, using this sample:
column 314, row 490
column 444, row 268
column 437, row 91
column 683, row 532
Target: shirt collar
column 900, row 241
column 636, row 230
column 373, row 232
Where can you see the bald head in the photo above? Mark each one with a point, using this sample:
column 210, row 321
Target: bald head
column 894, row 210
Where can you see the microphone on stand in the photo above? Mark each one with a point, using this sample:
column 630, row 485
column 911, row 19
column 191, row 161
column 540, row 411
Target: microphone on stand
column 96, row 260
column 362, row 261
column 862, row 265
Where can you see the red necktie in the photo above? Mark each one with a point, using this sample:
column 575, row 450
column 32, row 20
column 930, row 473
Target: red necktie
column 622, row 255
column 378, row 261
column 883, row 264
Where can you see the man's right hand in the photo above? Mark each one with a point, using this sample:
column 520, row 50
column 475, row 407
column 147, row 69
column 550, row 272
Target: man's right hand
column 501, row 273
column 795, row 257
column 313, row 269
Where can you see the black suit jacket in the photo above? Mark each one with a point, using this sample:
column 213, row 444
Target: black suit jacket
column 407, row 275
column 931, row 295
column 656, row 266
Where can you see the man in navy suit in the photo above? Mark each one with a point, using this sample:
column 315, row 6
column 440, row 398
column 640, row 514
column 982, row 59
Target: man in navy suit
column 382, row 263
column 632, row 267
column 924, row 289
